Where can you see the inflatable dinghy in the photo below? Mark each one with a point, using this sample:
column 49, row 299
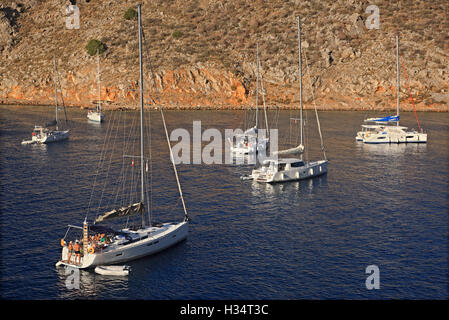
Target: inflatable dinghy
column 113, row 270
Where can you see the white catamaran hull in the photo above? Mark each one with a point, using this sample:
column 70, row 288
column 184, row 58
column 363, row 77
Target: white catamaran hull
column 309, row 170
column 406, row 137
column 167, row 235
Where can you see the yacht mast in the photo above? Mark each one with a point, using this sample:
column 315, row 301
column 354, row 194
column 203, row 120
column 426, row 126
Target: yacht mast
column 397, row 77
column 56, row 91
column 98, row 73
column 257, row 85
column 300, row 78
column 142, row 169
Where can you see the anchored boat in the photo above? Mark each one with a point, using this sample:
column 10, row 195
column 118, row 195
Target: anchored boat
column 104, row 245
column 387, row 129
column 50, row 132
column 96, row 114
column 249, row 141
column 288, row 169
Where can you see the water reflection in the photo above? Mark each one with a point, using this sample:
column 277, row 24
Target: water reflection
column 391, row 149
column 301, row 187
column 91, row 285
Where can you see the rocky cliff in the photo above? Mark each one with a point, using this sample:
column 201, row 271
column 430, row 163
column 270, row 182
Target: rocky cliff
column 203, row 53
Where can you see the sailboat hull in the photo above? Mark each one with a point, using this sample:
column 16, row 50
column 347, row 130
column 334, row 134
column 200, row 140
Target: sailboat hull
column 167, row 235
column 310, row 170
column 95, row 116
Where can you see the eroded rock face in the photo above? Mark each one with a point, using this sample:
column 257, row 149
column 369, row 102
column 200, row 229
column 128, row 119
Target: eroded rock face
column 212, row 64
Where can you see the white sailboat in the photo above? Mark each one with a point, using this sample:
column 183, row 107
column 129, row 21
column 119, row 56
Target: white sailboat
column 96, row 114
column 249, row 141
column 288, row 169
column 50, row 132
column 128, row 243
column 387, row 129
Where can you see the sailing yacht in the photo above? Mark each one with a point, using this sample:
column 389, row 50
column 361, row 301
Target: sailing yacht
column 387, row 129
column 249, row 141
column 128, row 243
column 96, row 114
column 50, row 132
column 288, row 169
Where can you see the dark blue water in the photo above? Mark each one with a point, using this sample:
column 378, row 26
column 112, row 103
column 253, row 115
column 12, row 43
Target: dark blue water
column 383, row 205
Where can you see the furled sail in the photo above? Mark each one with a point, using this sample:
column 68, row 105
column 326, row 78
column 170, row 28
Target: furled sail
column 384, row 119
column 121, row 212
column 296, row 150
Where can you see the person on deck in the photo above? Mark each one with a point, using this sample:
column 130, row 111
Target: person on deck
column 77, row 248
column 70, row 251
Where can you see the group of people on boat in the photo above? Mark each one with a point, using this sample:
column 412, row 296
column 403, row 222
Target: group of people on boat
column 95, row 242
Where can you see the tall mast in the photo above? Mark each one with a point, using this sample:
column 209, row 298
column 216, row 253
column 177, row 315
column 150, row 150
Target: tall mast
column 142, row 170
column 300, row 77
column 98, row 73
column 397, row 76
column 56, row 91
column 257, row 85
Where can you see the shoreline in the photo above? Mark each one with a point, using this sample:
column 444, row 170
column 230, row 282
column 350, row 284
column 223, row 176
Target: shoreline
column 230, row 108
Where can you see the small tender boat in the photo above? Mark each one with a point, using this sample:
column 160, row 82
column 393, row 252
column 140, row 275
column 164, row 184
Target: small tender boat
column 113, row 270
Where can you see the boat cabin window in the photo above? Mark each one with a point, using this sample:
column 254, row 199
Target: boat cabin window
column 297, row 164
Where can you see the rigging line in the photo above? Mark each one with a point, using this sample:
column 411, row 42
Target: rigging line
column 100, row 162
column 174, row 166
column 316, row 112
column 108, row 170
column 264, row 106
column 62, row 96
column 410, row 91
column 150, row 197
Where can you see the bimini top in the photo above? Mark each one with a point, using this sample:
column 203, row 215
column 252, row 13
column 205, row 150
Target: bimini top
column 384, row 119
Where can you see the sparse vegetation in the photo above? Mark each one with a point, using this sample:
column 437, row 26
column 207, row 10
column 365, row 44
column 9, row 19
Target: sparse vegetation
column 177, row 34
column 130, row 14
column 94, row 46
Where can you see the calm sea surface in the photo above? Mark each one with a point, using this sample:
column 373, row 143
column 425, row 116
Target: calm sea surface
column 384, row 205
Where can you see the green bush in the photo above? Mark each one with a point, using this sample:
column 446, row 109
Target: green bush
column 177, row 34
column 130, row 14
column 95, row 46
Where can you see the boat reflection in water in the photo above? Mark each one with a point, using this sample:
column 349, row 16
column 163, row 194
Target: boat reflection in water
column 82, row 284
column 299, row 187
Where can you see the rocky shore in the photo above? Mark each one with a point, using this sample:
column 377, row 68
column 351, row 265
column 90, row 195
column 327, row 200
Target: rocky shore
column 203, row 54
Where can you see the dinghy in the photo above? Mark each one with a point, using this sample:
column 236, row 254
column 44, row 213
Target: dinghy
column 113, row 270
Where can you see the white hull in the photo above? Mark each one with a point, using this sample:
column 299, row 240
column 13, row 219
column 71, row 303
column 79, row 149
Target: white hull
column 309, row 170
column 112, row 270
column 407, row 137
column 248, row 148
column 47, row 136
column 148, row 241
column 95, row 116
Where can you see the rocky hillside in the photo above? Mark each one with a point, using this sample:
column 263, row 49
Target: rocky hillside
column 203, row 53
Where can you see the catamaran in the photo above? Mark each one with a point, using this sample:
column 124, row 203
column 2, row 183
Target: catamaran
column 96, row 114
column 128, row 243
column 249, row 142
column 387, row 129
column 289, row 169
column 50, row 132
